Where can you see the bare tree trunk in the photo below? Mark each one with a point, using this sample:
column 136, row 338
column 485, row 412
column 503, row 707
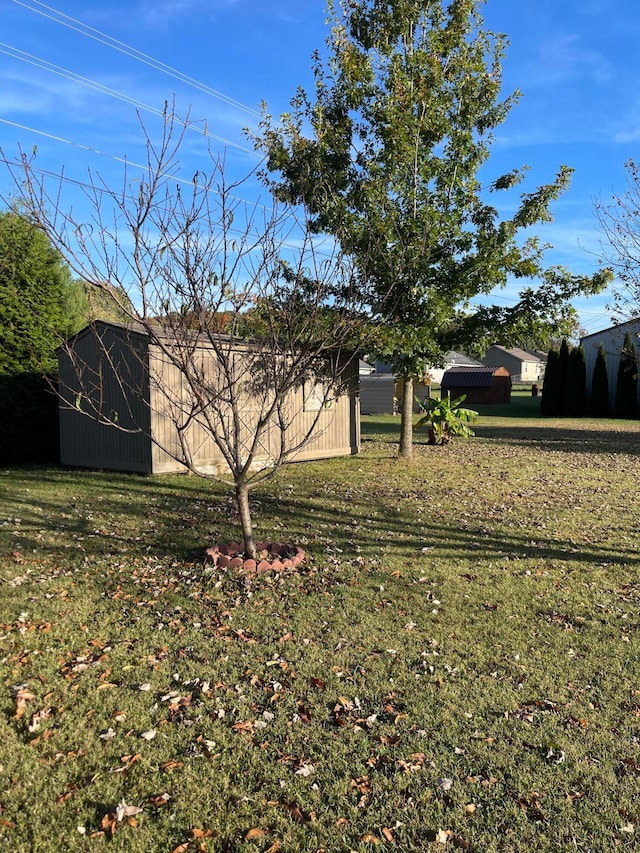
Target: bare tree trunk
column 406, row 420
column 242, row 496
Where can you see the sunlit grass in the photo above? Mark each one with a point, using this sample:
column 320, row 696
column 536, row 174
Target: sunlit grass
column 457, row 663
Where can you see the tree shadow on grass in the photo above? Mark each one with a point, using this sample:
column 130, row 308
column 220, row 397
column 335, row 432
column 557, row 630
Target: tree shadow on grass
column 571, row 439
column 385, row 531
column 74, row 514
column 78, row 513
column 539, row 433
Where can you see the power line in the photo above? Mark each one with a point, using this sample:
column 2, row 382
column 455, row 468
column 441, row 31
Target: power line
column 45, row 65
column 134, row 53
column 94, row 188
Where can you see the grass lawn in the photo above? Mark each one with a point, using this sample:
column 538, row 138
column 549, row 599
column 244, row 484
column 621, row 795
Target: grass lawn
column 457, row 666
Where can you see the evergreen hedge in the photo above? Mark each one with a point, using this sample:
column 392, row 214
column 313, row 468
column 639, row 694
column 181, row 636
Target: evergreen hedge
column 575, row 391
column 550, row 404
column 626, row 401
column 600, row 402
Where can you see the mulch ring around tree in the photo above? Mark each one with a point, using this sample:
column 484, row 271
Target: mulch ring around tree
column 270, row 557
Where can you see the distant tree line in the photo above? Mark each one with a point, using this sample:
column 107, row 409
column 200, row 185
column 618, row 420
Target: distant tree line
column 564, row 391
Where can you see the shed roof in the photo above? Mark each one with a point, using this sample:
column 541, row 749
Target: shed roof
column 469, row 377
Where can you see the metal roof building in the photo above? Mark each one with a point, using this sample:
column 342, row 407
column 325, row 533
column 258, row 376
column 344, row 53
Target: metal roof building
column 479, row 384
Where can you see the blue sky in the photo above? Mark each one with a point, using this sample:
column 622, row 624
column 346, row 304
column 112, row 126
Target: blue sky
column 576, row 62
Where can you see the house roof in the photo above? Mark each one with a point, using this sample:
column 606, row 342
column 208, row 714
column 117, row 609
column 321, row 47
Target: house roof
column 469, row 377
column 453, row 357
column 516, row 352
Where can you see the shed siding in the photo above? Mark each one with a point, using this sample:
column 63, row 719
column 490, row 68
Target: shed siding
column 138, row 381
column 336, row 431
column 84, row 441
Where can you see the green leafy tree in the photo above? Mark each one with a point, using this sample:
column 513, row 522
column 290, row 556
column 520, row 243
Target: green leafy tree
column 600, row 403
column 575, row 392
column 540, row 319
column 33, row 283
column 626, row 400
column 550, row 403
column 387, row 159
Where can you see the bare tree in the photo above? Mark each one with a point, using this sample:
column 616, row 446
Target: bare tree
column 620, row 223
column 238, row 302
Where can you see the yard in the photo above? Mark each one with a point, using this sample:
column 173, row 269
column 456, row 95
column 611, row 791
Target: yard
column 456, row 666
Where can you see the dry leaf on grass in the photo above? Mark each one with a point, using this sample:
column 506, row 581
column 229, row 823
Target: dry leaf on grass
column 254, row 834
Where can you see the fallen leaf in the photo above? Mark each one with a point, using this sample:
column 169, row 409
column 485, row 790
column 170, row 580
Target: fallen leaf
column 160, row 799
column 388, row 835
column 149, row 735
column 202, row 833
column 21, row 695
column 254, row 834
column 109, row 823
column 171, row 765
column 108, row 734
column 125, row 811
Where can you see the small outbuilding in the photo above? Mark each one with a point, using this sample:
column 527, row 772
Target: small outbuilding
column 382, row 393
column 120, row 371
column 478, row 384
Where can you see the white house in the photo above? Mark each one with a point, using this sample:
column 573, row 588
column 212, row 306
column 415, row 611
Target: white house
column 523, row 365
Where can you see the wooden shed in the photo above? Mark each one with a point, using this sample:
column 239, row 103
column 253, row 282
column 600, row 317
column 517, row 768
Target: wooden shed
column 479, row 384
column 120, row 371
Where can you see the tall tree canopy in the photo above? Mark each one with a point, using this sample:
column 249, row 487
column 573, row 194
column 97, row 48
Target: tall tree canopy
column 387, row 158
